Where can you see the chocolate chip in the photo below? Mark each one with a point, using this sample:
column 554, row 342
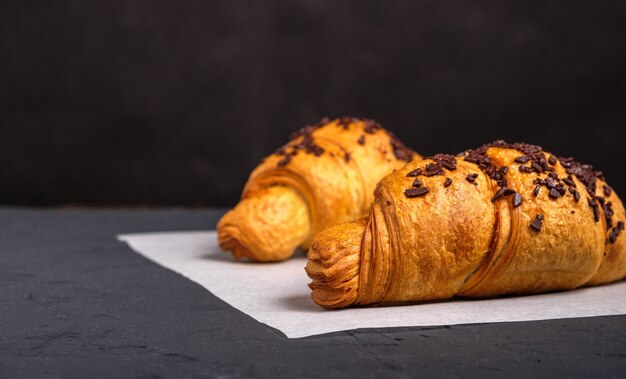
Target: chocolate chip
column 537, row 223
column 433, row 169
column 415, row 192
column 498, row 195
column 283, row 162
column 523, row 159
column 517, row 200
column 554, row 193
column 347, row 157
column 447, row 182
column 607, row 190
column 596, row 210
column 471, row 178
column 417, row 183
column 569, row 182
column 508, row 192
column 416, row 172
column 552, row 160
column 536, row 190
column 576, row 196
column 361, row 140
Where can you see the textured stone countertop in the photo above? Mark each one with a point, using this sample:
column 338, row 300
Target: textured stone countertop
column 75, row 302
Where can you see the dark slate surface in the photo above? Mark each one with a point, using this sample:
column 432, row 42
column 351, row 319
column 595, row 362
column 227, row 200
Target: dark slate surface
column 77, row 303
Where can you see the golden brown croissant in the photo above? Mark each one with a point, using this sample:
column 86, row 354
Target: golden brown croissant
column 502, row 219
column 324, row 176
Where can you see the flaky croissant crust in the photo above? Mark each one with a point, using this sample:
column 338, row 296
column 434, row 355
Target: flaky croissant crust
column 502, row 219
column 328, row 171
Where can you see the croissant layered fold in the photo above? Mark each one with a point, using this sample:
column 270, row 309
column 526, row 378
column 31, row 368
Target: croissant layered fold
column 324, row 176
column 501, row 219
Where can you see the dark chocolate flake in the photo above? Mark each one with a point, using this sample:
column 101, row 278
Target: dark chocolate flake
column 361, row 140
column 447, row 182
column 554, row 193
column 537, row 223
column 417, row 183
column 283, row 162
column 576, row 196
column 517, row 200
column 498, row 195
column 536, row 190
column 607, row 190
column 508, row 192
column 596, row 209
column 433, row 169
column 523, row 159
column 569, row 182
column 415, row 192
column 471, row 178
column 552, row 160
column 416, row 172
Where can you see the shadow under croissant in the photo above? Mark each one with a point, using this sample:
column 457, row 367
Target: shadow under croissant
column 460, row 299
column 223, row 256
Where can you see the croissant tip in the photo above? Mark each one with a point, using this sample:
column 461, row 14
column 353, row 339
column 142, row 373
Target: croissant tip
column 333, row 265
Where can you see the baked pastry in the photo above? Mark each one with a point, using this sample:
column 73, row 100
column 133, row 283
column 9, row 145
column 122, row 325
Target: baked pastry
column 323, row 176
column 501, row 219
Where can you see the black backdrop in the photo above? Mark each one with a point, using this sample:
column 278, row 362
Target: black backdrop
column 174, row 102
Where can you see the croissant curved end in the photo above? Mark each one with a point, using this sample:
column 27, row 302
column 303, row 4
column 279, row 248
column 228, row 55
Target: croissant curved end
column 334, row 263
column 267, row 226
column 229, row 240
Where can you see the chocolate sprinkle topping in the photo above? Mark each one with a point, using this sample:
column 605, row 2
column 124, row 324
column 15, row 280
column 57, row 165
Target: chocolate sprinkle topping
column 537, row 223
column 401, row 152
column 471, row 178
column 447, row 182
column 303, row 140
column 417, row 183
column 415, row 192
column 446, row 160
column 371, row 126
column 535, row 160
column 433, row 169
column 416, row 172
column 283, row 162
column 345, row 122
column 554, row 193
column 552, row 160
column 596, row 209
column 517, row 200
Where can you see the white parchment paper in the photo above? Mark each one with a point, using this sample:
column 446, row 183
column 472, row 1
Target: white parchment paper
column 277, row 294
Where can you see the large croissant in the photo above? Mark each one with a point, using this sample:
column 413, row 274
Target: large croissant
column 324, row 176
column 502, row 219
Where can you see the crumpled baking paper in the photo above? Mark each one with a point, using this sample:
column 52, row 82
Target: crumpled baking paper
column 277, row 294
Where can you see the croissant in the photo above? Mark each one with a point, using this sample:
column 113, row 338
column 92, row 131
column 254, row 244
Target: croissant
column 325, row 175
column 501, row 219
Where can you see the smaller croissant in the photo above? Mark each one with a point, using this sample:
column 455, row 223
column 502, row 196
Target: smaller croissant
column 324, row 176
column 501, row 219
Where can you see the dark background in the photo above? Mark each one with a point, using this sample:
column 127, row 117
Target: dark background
column 174, row 102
